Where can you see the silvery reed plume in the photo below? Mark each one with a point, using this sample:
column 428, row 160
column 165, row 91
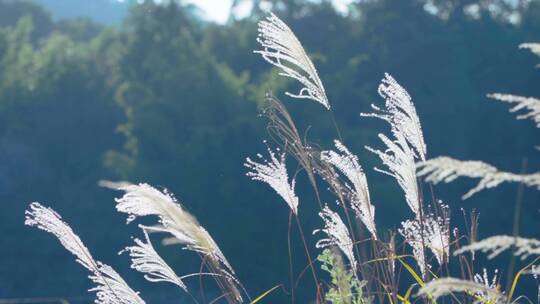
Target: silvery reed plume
column 348, row 164
column 445, row 169
column 110, row 287
column 448, row 286
column 408, row 142
column 530, row 104
column 144, row 200
column 282, row 49
column 490, row 284
column 337, row 235
column 145, row 259
column 400, row 113
column 274, row 173
column 433, row 232
column 495, row 245
column 533, row 47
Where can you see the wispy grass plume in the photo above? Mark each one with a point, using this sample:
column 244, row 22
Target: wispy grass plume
column 144, row 200
column 530, row 104
column 495, row 245
column 145, row 259
column 338, row 235
column 446, row 169
column 282, row 49
column 491, row 284
column 400, row 113
column 446, row 286
column 110, row 287
column 412, row 232
column 534, row 47
column 274, row 173
column 399, row 159
column 408, row 142
column 347, row 163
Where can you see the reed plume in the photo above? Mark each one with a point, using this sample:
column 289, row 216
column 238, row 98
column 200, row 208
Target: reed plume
column 530, row 104
column 145, row 259
column 144, row 200
column 282, row 49
column 447, row 286
column 348, row 164
column 110, row 287
column 274, row 173
column 337, row 235
column 495, row 245
column 446, row 169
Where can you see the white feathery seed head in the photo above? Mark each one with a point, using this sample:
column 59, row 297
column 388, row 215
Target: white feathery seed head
column 145, row 259
column 274, row 173
column 347, row 163
column 338, row 235
column 398, row 158
column 48, row 220
column 489, row 284
column 495, row 245
column 445, row 286
column 529, row 104
column 433, row 232
column 400, row 113
column 437, row 232
column 534, row 47
column 111, row 288
column 411, row 230
column 143, row 199
column 408, row 142
column 446, row 169
column 282, row 49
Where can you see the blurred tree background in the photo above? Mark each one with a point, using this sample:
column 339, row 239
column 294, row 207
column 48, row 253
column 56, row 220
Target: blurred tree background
column 168, row 98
